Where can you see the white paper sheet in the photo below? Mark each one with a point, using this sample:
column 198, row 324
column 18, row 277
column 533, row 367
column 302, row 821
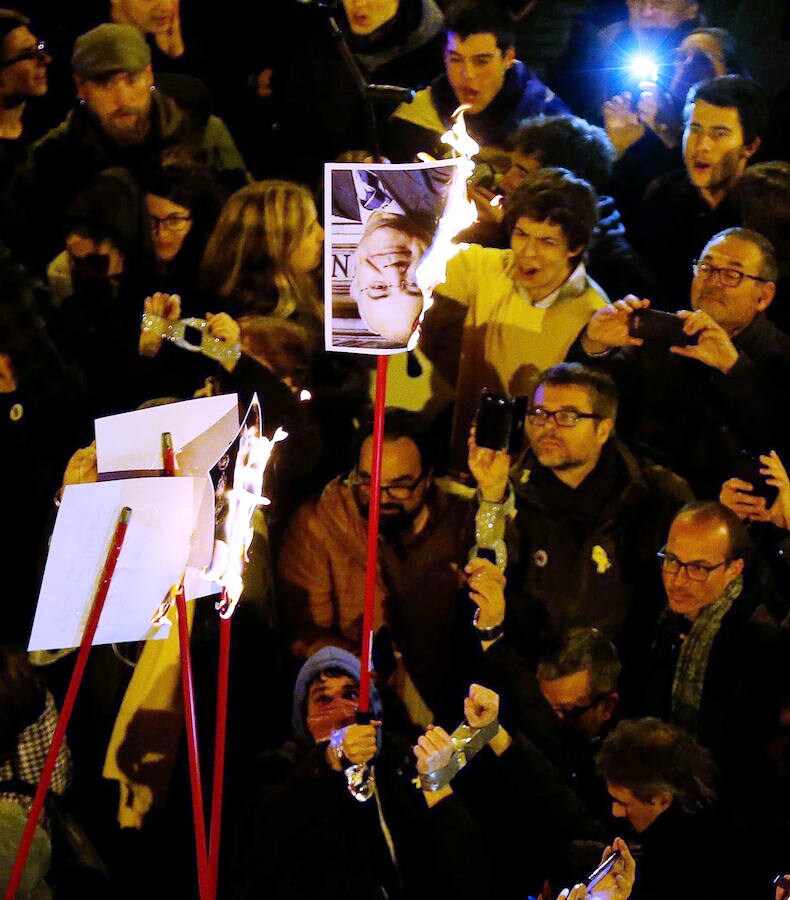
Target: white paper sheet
column 153, row 558
column 201, row 430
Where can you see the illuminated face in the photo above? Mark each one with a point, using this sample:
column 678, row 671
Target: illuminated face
column 713, row 149
column 640, row 813
column 693, row 541
column 149, row 16
column 476, row 69
column 647, row 14
column 331, row 702
column 121, row 103
column 365, row 16
column 521, row 165
column 734, row 308
column 27, row 77
column 306, row 255
column 385, row 284
column 571, row 697
column 170, row 224
column 561, row 448
column 541, row 255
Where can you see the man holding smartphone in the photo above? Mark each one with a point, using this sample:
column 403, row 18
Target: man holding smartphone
column 697, row 407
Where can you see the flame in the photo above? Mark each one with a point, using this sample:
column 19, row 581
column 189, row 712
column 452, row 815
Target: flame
column 242, row 499
column 459, row 213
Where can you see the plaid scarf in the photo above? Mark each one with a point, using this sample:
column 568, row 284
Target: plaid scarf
column 693, row 659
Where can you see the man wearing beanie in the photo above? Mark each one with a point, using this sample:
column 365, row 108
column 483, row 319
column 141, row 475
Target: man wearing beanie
column 302, row 834
column 120, row 120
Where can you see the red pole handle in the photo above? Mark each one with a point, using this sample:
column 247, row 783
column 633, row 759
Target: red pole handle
column 68, row 704
column 371, row 569
column 187, row 683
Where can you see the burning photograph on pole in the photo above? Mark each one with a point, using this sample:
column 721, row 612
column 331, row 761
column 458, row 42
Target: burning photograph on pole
column 381, row 221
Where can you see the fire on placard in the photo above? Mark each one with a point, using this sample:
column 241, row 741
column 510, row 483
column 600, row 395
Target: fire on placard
column 237, row 499
column 459, row 213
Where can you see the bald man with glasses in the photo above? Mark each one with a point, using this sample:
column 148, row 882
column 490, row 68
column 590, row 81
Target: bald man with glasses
column 717, row 663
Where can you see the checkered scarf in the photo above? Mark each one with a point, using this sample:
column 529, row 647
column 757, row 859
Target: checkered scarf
column 28, row 762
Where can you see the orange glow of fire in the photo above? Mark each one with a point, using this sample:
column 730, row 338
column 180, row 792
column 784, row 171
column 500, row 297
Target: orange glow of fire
column 459, row 213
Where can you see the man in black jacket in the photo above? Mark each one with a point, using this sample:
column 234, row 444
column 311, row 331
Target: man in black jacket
column 697, row 408
column 589, row 516
column 716, row 664
column 724, row 119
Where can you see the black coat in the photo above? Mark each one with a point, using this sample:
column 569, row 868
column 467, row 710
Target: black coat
column 672, row 227
column 693, row 418
column 587, row 557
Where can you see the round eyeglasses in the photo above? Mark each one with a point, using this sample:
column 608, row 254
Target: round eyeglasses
column 380, row 290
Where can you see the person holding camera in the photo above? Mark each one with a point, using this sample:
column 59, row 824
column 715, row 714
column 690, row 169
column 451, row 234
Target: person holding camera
column 589, row 518
column 699, row 388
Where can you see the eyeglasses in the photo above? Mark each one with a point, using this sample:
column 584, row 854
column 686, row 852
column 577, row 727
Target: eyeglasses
column 169, row 224
column 727, row 277
column 39, row 53
column 380, row 290
column 400, row 491
column 565, row 418
column 576, row 712
column 696, row 571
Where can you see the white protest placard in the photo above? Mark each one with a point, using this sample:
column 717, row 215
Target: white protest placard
column 153, row 559
column 201, row 430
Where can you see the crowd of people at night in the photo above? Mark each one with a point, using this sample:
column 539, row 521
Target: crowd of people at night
column 599, row 601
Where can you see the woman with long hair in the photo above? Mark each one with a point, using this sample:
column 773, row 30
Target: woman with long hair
column 262, row 254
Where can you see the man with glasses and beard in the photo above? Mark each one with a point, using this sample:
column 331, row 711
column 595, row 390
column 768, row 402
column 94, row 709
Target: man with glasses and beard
column 424, row 536
column 589, row 518
column 121, row 120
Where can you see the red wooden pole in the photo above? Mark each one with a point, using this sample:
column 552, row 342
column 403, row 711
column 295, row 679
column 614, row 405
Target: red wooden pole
column 373, row 532
column 218, row 774
column 68, row 703
column 198, row 814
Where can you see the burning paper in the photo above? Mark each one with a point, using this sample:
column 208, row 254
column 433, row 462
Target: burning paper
column 238, row 491
column 381, row 221
column 390, row 233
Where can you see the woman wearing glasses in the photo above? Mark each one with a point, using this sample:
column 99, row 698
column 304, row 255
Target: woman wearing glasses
column 384, row 283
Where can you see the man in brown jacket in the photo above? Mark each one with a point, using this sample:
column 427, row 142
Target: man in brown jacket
column 424, row 538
